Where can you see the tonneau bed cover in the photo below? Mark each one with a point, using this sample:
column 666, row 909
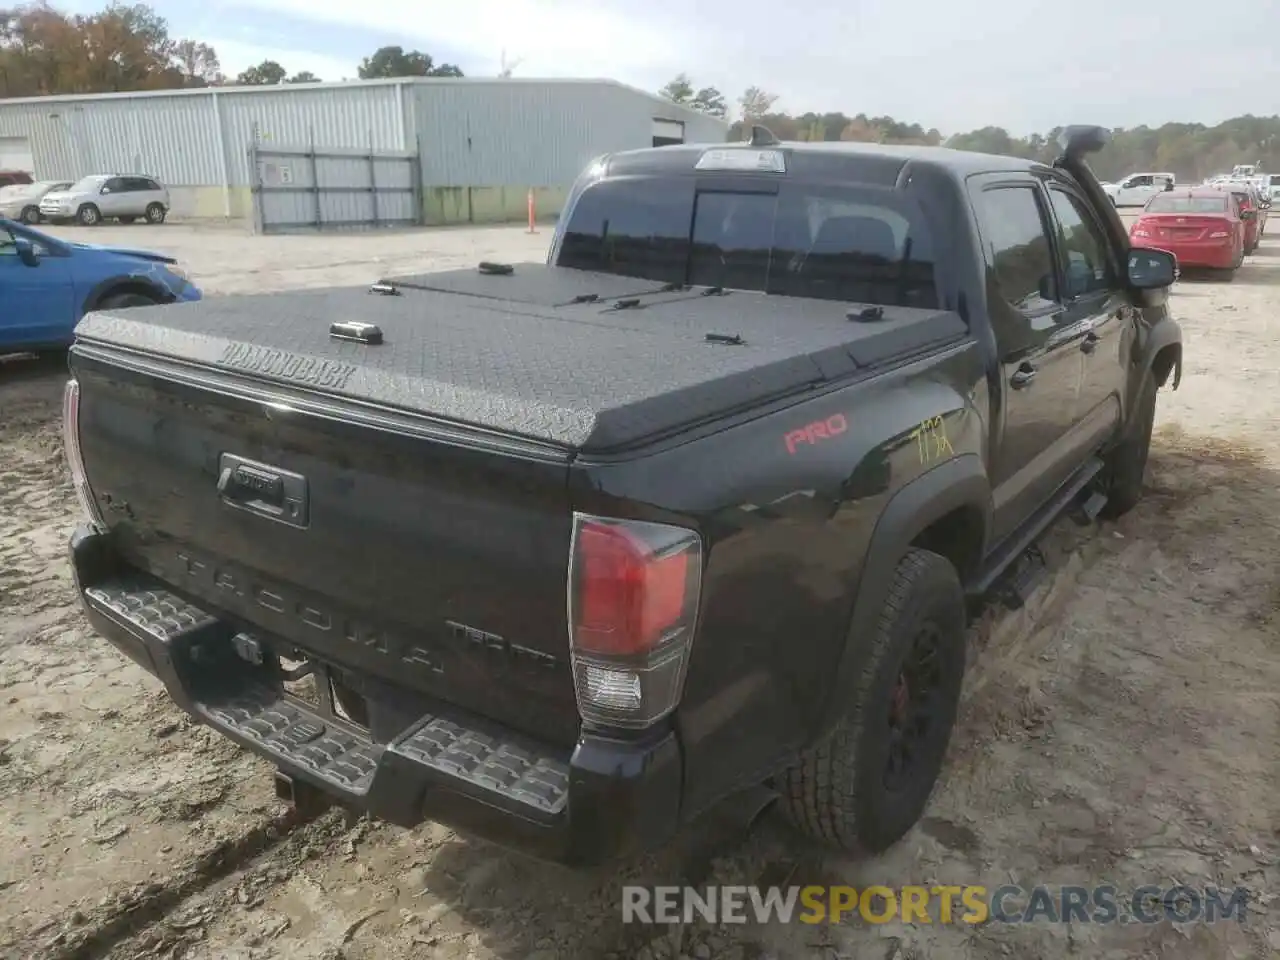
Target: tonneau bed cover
column 516, row 353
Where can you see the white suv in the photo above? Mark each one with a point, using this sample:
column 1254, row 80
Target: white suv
column 107, row 197
column 1137, row 188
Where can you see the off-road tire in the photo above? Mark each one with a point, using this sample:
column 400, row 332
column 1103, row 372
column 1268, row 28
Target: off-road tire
column 30, row 215
column 1127, row 461
column 88, row 215
column 156, row 213
column 122, row 301
column 836, row 793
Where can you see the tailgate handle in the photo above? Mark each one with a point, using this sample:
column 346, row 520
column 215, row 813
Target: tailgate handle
column 263, row 489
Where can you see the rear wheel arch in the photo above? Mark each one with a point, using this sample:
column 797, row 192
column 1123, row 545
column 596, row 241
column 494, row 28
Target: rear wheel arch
column 946, row 511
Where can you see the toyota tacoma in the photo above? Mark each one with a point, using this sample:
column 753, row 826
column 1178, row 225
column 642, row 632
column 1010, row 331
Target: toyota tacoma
column 563, row 554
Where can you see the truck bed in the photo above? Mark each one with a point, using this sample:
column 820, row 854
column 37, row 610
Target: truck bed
column 516, row 353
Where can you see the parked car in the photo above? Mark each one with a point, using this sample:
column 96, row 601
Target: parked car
column 47, row 284
column 22, row 202
column 767, row 417
column 1137, row 188
column 1250, row 211
column 103, row 196
column 9, row 178
column 1273, row 187
column 1202, row 227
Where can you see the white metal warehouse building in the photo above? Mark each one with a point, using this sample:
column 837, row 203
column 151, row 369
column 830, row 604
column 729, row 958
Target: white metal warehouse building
column 372, row 152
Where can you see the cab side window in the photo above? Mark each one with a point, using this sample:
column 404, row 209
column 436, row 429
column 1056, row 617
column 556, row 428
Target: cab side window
column 1088, row 266
column 114, row 185
column 1021, row 277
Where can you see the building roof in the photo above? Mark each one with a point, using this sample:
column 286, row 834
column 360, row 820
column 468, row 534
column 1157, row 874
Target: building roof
column 676, row 110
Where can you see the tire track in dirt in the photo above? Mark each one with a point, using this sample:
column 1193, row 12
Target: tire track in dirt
column 113, row 806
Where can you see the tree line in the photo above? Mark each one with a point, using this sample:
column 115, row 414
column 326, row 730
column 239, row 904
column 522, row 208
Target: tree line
column 1192, row 151
column 127, row 47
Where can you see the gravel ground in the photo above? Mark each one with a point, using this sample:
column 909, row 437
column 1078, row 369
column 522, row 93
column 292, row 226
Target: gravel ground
column 1122, row 728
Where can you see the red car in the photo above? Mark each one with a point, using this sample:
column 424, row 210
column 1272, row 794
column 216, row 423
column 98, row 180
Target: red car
column 1252, row 222
column 1202, row 227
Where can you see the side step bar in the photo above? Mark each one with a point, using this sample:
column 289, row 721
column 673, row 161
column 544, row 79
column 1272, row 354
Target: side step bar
column 206, row 676
column 1017, row 566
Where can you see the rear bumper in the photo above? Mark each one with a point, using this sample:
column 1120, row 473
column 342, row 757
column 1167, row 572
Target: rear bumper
column 1218, row 256
column 603, row 800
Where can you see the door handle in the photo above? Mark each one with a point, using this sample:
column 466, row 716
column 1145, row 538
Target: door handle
column 1024, row 375
column 1090, row 342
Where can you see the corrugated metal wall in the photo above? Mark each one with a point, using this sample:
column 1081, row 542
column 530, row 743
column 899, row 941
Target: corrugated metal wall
column 509, row 134
column 353, row 117
column 175, row 136
column 534, row 134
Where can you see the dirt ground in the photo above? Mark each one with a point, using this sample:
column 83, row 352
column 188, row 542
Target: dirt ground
column 1123, row 728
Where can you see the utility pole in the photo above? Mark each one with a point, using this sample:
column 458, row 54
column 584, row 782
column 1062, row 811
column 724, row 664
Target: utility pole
column 508, row 66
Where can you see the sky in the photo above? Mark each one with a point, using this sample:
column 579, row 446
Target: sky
column 1026, row 65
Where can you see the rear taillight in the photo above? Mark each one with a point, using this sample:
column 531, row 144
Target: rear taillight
column 1139, row 230
column 75, row 459
column 634, row 589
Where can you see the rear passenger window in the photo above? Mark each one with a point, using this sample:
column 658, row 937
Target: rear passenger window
column 848, row 243
column 1016, row 243
column 632, row 228
column 1088, row 265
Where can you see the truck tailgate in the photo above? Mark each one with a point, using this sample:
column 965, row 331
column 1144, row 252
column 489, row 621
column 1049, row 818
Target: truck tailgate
column 431, row 559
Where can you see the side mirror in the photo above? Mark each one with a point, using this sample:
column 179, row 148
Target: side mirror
column 1151, row 269
column 1248, row 215
column 26, row 251
column 1168, row 185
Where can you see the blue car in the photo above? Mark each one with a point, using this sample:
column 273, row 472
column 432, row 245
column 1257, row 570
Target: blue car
column 47, row 285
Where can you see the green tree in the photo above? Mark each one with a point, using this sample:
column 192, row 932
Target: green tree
column 395, row 62
column 756, row 104
column 198, row 63
column 711, row 101
column 267, row 73
column 679, row 89
column 304, row 76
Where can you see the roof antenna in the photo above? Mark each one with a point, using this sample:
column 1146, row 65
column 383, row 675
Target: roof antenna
column 762, row 137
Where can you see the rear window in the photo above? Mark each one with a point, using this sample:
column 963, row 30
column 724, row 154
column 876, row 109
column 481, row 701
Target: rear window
column 1187, row 205
column 859, row 244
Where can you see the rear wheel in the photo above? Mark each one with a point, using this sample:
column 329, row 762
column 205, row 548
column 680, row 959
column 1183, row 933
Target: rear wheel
column 155, row 213
column 89, row 215
column 30, row 215
column 867, row 783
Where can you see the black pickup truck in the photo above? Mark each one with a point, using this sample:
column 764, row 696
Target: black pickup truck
column 564, row 554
